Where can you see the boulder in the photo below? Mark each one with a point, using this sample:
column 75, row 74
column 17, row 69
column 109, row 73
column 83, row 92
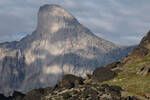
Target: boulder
column 70, row 81
column 103, row 74
column 17, row 95
column 145, row 70
column 37, row 94
column 147, row 95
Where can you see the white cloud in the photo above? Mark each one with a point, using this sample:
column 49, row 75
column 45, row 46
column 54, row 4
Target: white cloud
column 110, row 19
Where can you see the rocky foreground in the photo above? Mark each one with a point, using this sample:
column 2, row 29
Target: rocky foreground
column 74, row 88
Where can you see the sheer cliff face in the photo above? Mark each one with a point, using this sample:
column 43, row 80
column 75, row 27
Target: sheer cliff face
column 59, row 45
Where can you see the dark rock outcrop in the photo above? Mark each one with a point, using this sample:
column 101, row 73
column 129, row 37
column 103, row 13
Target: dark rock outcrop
column 70, row 81
column 2, row 97
column 103, row 74
column 87, row 92
column 16, row 96
column 38, row 94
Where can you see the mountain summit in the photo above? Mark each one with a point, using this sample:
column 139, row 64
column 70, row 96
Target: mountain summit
column 52, row 18
column 59, row 45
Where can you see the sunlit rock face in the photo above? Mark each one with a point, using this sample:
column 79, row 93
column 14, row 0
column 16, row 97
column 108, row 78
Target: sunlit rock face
column 53, row 18
column 59, row 45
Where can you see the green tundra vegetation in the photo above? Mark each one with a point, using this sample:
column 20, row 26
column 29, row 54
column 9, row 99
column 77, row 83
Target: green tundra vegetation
column 130, row 80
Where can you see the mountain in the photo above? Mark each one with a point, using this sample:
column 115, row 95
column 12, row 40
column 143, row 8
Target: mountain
column 59, row 45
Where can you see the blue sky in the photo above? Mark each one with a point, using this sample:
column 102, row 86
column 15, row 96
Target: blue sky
column 123, row 22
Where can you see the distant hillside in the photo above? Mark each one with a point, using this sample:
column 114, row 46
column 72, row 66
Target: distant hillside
column 134, row 75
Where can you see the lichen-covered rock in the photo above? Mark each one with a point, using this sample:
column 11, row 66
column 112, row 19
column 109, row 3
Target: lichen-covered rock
column 144, row 70
column 87, row 92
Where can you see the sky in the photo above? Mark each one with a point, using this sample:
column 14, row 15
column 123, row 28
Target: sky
column 123, row 22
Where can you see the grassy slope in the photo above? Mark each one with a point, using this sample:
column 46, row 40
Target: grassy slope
column 130, row 81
